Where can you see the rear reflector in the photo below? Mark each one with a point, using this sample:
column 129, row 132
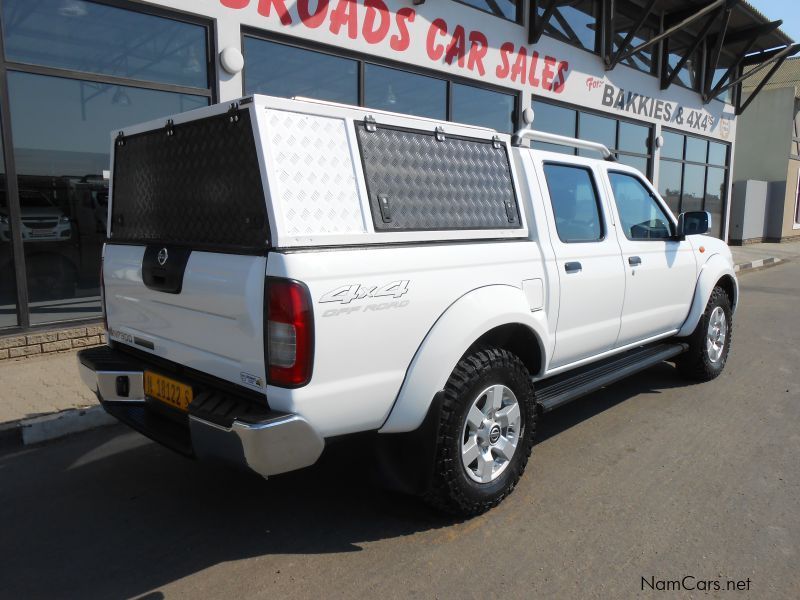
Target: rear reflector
column 289, row 333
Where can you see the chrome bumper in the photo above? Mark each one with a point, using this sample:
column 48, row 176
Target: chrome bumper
column 280, row 443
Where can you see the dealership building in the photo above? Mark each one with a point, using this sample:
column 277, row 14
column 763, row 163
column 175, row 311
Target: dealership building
column 658, row 81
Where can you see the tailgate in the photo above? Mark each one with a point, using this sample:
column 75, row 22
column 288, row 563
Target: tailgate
column 184, row 269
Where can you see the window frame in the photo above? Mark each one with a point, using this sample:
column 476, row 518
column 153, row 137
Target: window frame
column 362, row 59
column 18, row 260
column 602, row 217
column 665, row 210
column 706, row 165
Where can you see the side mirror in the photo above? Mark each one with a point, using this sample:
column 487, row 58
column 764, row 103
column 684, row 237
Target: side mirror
column 693, row 223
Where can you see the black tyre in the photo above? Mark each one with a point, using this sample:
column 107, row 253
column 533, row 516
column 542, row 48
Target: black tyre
column 710, row 342
column 486, row 429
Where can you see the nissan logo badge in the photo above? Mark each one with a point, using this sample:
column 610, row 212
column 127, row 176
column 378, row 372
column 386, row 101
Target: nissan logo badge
column 163, row 255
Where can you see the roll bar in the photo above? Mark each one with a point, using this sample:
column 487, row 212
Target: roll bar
column 561, row 140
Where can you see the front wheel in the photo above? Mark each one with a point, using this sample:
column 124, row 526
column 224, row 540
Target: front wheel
column 710, row 342
column 486, row 428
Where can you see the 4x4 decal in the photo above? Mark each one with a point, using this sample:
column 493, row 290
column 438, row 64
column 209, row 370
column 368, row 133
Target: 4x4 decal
column 347, row 293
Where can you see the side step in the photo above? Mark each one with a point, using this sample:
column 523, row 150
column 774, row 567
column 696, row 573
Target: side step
column 557, row 391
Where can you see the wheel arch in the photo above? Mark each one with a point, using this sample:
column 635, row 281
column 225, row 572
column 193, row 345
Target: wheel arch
column 497, row 315
column 716, row 271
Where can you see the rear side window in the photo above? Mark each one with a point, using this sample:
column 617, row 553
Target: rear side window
column 641, row 215
column 576, row 206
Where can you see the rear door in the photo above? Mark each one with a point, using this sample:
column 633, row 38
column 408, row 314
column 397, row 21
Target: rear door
column 660, row 271
column 184, row 269
column 591, row 275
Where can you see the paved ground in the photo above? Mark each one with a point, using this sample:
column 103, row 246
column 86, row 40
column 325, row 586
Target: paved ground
column 650, row 478
column 41, row 384
column 751, row 252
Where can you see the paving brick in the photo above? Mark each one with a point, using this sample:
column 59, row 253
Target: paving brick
column 95, row 330
column 103, row 338
column 25, row 351
column 56, row 346
column 88, row 341
column 3, row 354
column 68, row 334
column 12, row 342
column 41, row 338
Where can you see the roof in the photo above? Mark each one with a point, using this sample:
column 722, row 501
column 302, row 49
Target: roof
column 787, row 76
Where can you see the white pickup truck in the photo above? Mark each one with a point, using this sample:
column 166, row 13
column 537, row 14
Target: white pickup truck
column 282, row 273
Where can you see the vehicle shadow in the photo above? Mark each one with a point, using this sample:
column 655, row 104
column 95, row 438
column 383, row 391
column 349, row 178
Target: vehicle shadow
column 110, row 514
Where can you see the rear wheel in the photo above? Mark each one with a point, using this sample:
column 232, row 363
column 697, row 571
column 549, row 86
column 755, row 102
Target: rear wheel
column 710, row 342
column 486, row 429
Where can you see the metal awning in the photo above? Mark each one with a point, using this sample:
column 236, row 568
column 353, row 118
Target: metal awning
column 728, row 41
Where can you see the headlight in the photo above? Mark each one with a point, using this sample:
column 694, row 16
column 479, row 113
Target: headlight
column 64, row 219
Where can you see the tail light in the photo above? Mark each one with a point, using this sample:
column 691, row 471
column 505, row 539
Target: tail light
column 289, row 333
column 103, row 296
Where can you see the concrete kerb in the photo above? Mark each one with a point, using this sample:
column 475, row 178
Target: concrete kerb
column 52, row 426
column 761, row 263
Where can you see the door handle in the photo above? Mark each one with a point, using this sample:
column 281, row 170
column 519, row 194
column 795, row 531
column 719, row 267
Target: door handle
column 573, row 267
column 634, row 261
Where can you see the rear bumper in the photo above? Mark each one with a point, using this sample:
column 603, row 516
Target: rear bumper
column 218, row 425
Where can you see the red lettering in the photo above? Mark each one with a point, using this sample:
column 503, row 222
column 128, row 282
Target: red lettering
column 345, row 13
column 457, row 47
column 434, row 48
column 478, row 48
column 532, row 78
column 503, row 68
column 237, row 4
column 402, row 40
column 265, row 8
column 548, row 73
column 315, row 19
column 376, row 9
column 520, row 68
column 563, row 67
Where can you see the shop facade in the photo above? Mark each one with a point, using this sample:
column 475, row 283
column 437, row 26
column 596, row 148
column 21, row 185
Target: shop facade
column 72, row 71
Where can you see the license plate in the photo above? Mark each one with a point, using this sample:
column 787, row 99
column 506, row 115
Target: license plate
column 176, row 394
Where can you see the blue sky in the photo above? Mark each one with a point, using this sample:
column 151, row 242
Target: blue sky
column 788, row 10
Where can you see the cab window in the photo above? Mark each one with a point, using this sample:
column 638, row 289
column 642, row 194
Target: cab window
column 640, row 214
column 575, row 203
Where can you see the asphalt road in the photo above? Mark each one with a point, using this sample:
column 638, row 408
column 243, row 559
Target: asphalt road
column 651, row 478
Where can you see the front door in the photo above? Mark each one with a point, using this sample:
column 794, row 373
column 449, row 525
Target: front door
column 660, row 271
column 590, row 270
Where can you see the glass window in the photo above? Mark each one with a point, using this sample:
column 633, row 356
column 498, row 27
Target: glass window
column 95, row 38
column 693, row 187
column 575, row 204
column 688, row 73
column 403, row 92
column 574, row 23
column 715, row 192
column 60, row 157
column 554, row 119
column 8, row 283
column 597, row 129
column 669, row 184
column 640, row 214
column 506, row 9
column 486, row 108
column 726, row 96
column 287, row 71
column 673, row 145
column 717, row 154
column 634, row 138
column 696, row 149
column 637, row 162
column 643, row 60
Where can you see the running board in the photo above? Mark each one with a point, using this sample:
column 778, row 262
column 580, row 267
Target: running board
column 557, row 391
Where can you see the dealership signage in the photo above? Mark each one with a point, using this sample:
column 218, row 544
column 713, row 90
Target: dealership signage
column 461, row 40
